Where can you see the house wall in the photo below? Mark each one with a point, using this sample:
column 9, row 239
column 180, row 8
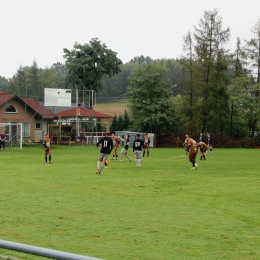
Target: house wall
column 21, row 116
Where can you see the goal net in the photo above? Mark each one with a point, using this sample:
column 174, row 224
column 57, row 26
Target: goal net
column 14, row 134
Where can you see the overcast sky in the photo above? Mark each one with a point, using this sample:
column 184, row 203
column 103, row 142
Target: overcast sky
column 40, row 29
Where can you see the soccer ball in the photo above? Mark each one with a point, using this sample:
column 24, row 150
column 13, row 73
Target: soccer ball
column 48, row 144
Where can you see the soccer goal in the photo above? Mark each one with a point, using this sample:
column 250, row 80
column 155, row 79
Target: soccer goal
column 14, row 134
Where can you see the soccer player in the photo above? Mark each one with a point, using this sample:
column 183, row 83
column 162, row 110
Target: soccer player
column 116, row 144
column 210, row 144
column 138, row 145
column 47, row 148
column 125, row 149
column 2, row 140
column 147, row 140
column 201, row 139
column 192, row 150
column 106, row 144
column 203, row 149
column 185, row 144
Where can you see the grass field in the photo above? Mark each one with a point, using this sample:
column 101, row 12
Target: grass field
column 116, row 108
column 163, row 210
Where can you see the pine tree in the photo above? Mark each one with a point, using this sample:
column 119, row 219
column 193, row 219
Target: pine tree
column 125, row 121
column 113, row 126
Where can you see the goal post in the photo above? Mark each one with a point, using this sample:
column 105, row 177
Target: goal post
column 14, row 134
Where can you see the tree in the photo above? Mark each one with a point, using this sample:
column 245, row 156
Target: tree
column 3, row 84
column 34, row 89
column 189, row 69
column 150, row 99
column 59, row 71
column 20, row 81
column 113, row 126
column 210, row 39
column 219, row 96
column 238, row 73
column 47, row 78
column 141, row 59
column 253, row 54
column 120, row 123
column 87, row 64
column 238, row 100
column 126, row 121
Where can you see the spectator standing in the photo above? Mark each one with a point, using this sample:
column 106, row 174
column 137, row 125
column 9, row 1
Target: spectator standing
column 2, row 140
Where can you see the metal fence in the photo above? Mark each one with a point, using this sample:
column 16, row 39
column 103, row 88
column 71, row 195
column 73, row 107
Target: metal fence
column 44, row 252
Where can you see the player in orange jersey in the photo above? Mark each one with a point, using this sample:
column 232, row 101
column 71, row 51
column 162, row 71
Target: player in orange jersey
column 192, row 150
column 47, row 148
column 147, row 140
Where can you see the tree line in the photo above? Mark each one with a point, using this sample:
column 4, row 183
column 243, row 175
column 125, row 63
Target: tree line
column 208, row 89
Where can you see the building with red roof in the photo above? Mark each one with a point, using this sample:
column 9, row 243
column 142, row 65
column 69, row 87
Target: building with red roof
column 34, row 116
column 37, row 119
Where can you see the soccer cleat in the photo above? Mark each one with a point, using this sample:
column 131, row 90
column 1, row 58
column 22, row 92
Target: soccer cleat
column 50, row 162
column 98, row 171
column 196, row 166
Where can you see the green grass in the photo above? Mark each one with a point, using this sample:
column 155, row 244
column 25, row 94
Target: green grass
column 163, row 210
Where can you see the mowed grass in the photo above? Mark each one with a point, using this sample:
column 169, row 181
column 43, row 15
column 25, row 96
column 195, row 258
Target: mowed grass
column 163, row 210
column 115, row 108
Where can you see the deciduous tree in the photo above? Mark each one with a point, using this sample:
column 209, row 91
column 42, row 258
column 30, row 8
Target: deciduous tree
column 150, row 97
column 88, row 63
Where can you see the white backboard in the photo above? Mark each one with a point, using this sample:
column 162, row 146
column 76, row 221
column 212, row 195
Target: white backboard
column 57, row 97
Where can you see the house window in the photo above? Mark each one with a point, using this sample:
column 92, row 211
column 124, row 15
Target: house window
column 26, row 129
column 38, row 126
column 10, row 109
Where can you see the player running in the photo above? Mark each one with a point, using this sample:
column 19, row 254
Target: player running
column 125, row 149
column 106, row 144
column 192, row 150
